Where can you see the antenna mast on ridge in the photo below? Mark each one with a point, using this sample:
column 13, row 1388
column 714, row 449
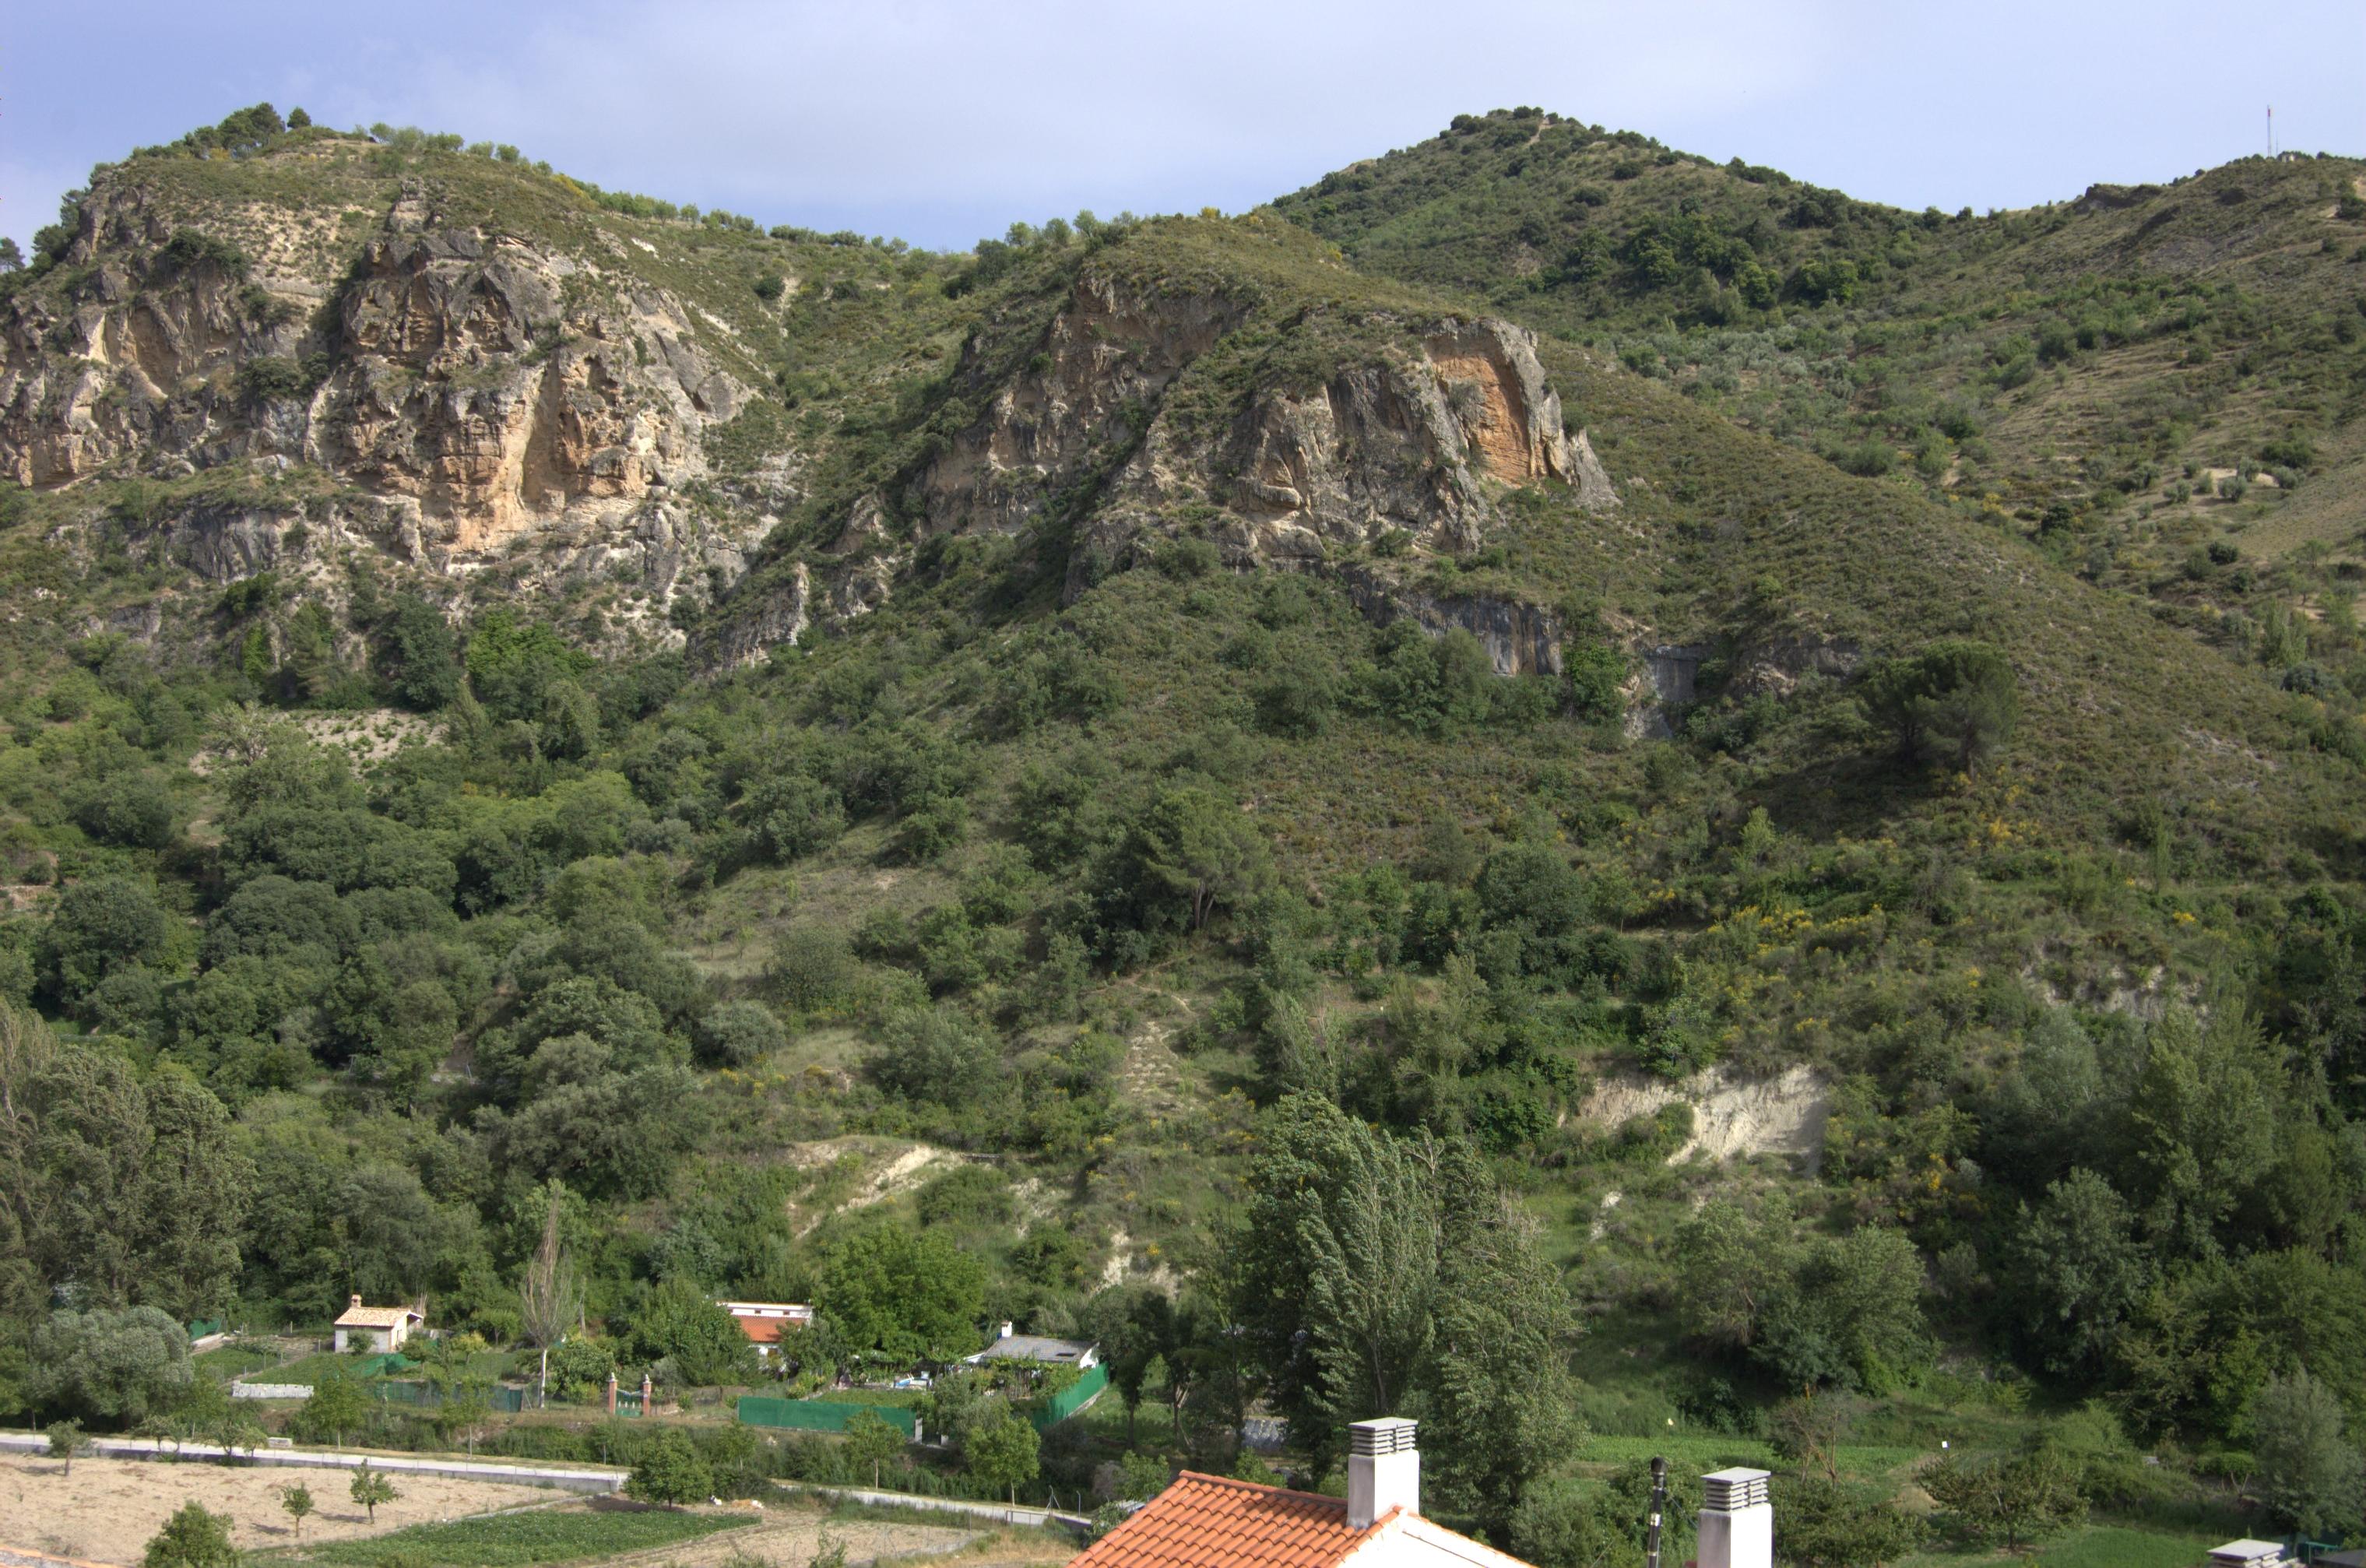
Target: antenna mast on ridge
column 2271, row 130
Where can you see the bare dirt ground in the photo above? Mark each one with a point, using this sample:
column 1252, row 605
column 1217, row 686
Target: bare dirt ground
column 106, row 1510
column 1732, row 1113
column 1014, row 1549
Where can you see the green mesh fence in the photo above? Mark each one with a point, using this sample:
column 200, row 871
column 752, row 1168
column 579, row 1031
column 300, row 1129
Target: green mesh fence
column 1071, row 1399
column 817, row 1414
column 500, row 1397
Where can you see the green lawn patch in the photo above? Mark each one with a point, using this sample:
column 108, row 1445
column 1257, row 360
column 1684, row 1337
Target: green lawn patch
column 233, row 1361
column 2116, row 1546
column 1699, row 1453
column 313, row 1368
column 522, row 1540
column 2095, row 1546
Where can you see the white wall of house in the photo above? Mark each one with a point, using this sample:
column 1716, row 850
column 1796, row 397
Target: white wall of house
column 375, row 1338
column 1415, row 1543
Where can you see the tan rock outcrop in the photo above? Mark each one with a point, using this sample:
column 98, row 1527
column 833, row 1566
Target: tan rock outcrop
column 461, row 392
column 1106, row 358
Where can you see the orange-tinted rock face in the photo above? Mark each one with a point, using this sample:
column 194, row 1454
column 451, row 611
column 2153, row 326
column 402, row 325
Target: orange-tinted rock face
column 452, row 375
column 1393, row 444
column 1510, row 420
column 1486, row 400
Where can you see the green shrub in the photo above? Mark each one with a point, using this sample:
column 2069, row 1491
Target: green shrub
column 736, row 1033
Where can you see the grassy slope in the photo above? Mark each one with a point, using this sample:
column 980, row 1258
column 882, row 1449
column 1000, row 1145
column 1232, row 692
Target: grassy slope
column 2120, row 708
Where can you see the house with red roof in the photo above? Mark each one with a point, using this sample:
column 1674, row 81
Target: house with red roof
column 1212, row 1521
column 762, row 1322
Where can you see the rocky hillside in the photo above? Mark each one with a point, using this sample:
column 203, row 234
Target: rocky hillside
column 1157, row 410
column 465, row 367
column 474, row 373
column 494, row 381
column 2111, row 354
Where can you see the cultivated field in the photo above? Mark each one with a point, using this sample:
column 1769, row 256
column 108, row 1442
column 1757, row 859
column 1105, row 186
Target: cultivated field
column 106, row 1508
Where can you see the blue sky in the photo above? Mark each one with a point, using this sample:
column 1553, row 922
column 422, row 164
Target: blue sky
column 941, row 121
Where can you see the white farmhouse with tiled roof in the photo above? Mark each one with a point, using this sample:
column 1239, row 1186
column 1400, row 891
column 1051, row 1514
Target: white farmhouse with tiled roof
column 379, row 1328
column 1209, row 1521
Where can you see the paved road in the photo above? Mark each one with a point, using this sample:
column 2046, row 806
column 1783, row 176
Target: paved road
column 571, row 1478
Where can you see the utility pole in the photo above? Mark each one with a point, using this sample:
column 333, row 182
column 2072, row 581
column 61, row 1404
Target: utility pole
column 1659, row 1507
column 2271, row 130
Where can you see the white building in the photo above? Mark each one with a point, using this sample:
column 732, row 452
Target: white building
column 2249, row 1554
column 1211, row 1521
column 1039, row 1348
column 764, row 1322
column 379, row 1328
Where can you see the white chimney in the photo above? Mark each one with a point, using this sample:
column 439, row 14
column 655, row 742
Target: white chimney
column 1383, row 1469
column 1735, row 1522
column 1006, row 1332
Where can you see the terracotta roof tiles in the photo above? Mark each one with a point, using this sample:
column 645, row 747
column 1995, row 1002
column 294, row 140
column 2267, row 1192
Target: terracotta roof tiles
column 1210, row 1521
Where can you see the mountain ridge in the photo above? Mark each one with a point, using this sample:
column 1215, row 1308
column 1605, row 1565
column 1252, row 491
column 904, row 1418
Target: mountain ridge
column 534, row 722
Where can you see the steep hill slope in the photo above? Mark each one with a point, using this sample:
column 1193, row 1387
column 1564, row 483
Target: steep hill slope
column 2093, row 356
column 441, row 359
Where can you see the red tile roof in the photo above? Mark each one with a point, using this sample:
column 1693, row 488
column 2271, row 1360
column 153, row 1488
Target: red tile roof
column 1209, row 1521
column 762, row 1330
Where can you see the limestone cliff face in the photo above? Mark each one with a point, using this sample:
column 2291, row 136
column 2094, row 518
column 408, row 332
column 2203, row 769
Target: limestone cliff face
column 387, row 378
column 1104, row 364
column 774, row 618
column 137, row 367
column 1403, row 439
column 468, row 399
column 1520, row 639
column 1117, row 409
column 1413, row 441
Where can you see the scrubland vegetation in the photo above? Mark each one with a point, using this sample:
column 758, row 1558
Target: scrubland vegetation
column 1170, row 956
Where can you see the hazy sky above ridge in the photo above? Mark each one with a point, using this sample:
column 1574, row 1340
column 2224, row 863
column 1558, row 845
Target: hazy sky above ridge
column 940, row 122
